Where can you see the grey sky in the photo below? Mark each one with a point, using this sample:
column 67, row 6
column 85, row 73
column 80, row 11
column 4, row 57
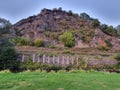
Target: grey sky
column 107, row 11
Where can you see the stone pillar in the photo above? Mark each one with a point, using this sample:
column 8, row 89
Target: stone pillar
column 63, row 60
column 68, row 60
column 33, row 58
column 23, row 58
column 43, row 58
column 38, row 59
column 53, row 59
column 58, row 60
column 72, row 61
column 77, row 60
column 48, row 60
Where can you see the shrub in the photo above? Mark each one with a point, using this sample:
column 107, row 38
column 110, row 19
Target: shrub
column 54, row 68
column 95, row 23
column 109, row 44
column 103, row 48
column 117, row 57
column 21, row 41
column 5, row 71
column 8, row 59
column 68, row 39
column 82, row 64
column 66, row 52
column 85, row 16
column 39, row 42
column 28, row 64
column 84, row 38
column 110, row 30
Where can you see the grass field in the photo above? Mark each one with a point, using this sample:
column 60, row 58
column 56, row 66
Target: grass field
column 59, row 81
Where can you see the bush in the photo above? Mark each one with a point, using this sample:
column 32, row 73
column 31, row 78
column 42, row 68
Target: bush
column 53, row 68
column 39, row 42
column 68, row 39
column 21, row 41
column 103, row 48
column 84, row 38
column 85, row 16
column 95, row 23
column 109, row 44
column 117, row 57
column 8, row 59
column 110, row 30
column 28, row 64
column 66, row 52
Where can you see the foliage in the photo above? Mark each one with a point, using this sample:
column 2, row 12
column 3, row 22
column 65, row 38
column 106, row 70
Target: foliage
column 5, row 27
column 68, row 39
column 110, row 30
column 70, row 12
column 21, row 41
column 39, row 42
column 8, row 59
column 84, row 38
column 5, row 42
column 66, row 51
column 117, row 57
column 109, row 44
column 5, row 33
column 95, row 23
column 82, row 63
column 85, row 16
column 103, row 48
column 28, row 64
column 118, row 30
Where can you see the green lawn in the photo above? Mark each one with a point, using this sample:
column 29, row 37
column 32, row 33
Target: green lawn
column 59, row 81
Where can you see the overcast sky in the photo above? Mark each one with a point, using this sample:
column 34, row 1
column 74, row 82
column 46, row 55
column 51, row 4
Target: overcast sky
column 107, row 11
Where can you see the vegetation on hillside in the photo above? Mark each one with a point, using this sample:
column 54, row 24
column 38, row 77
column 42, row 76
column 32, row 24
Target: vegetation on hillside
column 68, row 39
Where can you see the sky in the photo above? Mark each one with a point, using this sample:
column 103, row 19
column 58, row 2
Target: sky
column 107, row 11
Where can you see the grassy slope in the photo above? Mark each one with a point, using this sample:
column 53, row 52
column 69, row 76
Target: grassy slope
column 59, row 81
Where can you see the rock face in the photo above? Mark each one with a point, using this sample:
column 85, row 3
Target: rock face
column 53, row 20
column 49, row 24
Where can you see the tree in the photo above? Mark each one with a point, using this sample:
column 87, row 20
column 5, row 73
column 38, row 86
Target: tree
column 8, row 55
column 8, row 59
column 68, row 39
column 110, row 30
column 85, row 16
column 5, row 32
column 60, row 8
column 70, row 12
column 118, row 30
column 95, row 23
column 5, row 26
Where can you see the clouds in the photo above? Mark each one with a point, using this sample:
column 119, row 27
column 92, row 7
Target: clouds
column 108, row 11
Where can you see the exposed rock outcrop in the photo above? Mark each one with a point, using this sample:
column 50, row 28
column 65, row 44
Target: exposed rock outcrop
column 49, row 24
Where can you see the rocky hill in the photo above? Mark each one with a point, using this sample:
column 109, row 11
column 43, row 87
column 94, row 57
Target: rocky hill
column 50, row 24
